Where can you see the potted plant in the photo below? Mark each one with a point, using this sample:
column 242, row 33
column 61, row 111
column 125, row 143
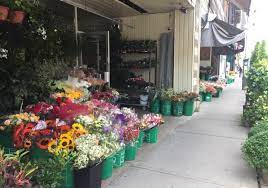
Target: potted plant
column 188, row 108
column 202, row 90
column 255, row 151
column 19, row 10
column 149, row 126
column 166, row 101
column 131, row 135
column 155, row 104
column 177, row 104
column 88, row 163
column 210, row 90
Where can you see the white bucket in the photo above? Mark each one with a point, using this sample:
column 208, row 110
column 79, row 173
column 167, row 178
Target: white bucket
column 144, row 99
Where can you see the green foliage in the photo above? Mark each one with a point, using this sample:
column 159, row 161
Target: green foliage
column 259, row 127
column 257, row 92
column 51, row 171
column 255, row 150
column 259, row 53
column 40, row 51
column 15, row 172
column 166, row 94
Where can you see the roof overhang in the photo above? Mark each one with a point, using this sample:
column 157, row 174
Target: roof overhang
column 163, row 6
column 105, row 8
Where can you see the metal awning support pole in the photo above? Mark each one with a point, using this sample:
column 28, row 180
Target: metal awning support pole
column 108, row 57
column 76, row 35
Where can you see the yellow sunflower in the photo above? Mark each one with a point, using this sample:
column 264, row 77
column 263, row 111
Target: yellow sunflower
column 77, row 126
column 52, row 146
column 64, row 143
column 79, row 133
column 66, row 136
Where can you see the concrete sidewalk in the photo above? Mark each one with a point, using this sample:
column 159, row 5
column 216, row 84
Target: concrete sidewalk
column 199, row 152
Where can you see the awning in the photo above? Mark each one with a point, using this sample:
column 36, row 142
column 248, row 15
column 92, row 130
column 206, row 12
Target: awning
column 217, row 33
column 242, row 4
column 104, row 8
column 162, row 6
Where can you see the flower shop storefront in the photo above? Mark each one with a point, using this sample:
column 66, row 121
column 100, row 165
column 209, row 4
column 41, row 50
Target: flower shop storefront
column 63, row 126
column 57, row 133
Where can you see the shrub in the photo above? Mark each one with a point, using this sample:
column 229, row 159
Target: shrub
column 255, row 150
column 259, row 127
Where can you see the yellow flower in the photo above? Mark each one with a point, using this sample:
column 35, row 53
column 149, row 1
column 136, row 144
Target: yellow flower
column 79, row 133
column 57, row 150
column 52, row 146
column 77, row 126
column 71, row 147
column 64, row 143
column 65, row 136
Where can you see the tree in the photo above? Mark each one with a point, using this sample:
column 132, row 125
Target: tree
column 259, row 53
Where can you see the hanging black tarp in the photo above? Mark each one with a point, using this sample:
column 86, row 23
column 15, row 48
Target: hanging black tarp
column 217, row 33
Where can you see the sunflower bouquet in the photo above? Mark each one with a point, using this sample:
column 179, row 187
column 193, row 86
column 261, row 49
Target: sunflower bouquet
column 65, row 143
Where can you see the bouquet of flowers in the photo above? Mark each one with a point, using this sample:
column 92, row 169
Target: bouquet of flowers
column 190, row 95
column 89, row 151
column 202, row 87
column 64, row 144
column 131, row 117
column 41, row 109
column 151, row 120
column 70, row 111
column 102, row 106
column 18, row 119
column 210, row 89
column 178, row 97
column 131, row 134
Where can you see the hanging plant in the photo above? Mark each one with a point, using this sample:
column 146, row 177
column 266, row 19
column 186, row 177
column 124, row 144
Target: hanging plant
column 20, row 8
column 3, row 13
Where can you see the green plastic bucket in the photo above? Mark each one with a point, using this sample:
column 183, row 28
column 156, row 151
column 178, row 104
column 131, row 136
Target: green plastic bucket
column 188, row 108
column 177, row 108
column 155, row 106
column 166, row 108
column 140, row 139
column 119, row 158
column 36, row 153
column 202, row 76
column 68, row 177
column 131, row 152
column 219, row 92
column 207, row 77
column 151, row 135
column 6, row 139
column 107, row 168
column 208, row 97
column 203, row 95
